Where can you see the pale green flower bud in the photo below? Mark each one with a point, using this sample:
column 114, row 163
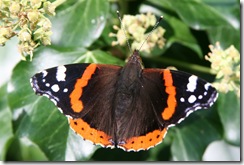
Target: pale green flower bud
column 49, row 8
column 24, row 2
column 33, row 16
column 112, row 35
column 150, row 20
column 121, row 37
column 6, row 32
column 128, row 20
column 36, row 3
column 38, row 34
column 14, row 8
column 46, row 41
column 24, row 35
column 47, row 25
column 2, row 40
column 137, row 32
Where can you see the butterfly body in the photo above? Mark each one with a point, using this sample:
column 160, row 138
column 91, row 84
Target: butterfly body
column 127, row 107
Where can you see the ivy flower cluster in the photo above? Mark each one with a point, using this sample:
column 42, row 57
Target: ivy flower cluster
column 226, row 65
column 27, row 20
column 136, row 28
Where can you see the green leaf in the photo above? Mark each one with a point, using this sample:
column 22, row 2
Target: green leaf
column 199, row 131
column 98, row 56
column 229, row 111
column 182, row 35
column 162, row 151
column 231, row 36
column 5, row 123
column 196, row 14
column 46, row 127
column 220, row 19
column 229, row 10
column 78, row 149
column 80, row 24
column 24, row 149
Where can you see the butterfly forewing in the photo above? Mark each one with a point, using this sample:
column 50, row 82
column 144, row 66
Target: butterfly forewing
column 83, row 93
column 180, row 93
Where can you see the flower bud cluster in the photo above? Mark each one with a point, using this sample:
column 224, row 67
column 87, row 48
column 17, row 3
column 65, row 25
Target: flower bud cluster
column 226, row 65
column 136, row 28
column 28, row 20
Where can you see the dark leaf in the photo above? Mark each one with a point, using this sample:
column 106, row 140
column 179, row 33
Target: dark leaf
column 190, row 141
column 80, row 24
column 230, row 113
column 5, row 123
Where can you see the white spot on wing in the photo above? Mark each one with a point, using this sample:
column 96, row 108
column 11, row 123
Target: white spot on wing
column 200, row 97
column 192, row 99
column 46, row 95
column 60, row 75
column 180, row 120
column 55, row 88
column 207, row 85
column 44, row 73
column 191, row 86
column 171, row 125
column 54, row 101
column 188, row 113
column 216, row 97
column 197, row 108
column 65, row 90
column 60, row 110
column 47, row 85
column 182, row 99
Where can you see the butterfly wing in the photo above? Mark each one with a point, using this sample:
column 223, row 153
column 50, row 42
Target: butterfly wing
column 183, row 94
column 82, row 92
column 166, row 97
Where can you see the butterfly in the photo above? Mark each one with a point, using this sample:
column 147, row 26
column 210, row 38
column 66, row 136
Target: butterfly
column 127, row 107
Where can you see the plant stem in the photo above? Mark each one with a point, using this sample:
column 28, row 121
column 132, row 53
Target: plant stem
column 182, row 64
column 58, row 2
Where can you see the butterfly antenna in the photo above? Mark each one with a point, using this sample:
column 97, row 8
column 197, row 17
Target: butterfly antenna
column 149, row 34
column 124, row 31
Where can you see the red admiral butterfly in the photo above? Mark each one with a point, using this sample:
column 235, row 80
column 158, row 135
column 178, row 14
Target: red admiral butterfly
column 126, row 107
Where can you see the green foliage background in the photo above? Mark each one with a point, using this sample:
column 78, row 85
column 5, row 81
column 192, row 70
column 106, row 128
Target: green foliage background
column 32, row 128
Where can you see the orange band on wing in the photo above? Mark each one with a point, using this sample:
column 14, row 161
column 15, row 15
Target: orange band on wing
column 88, row 133
column 171, row 91
column 76, row 103
column 144, row 142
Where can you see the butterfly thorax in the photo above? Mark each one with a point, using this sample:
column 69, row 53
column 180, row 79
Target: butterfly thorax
column 128, row 85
